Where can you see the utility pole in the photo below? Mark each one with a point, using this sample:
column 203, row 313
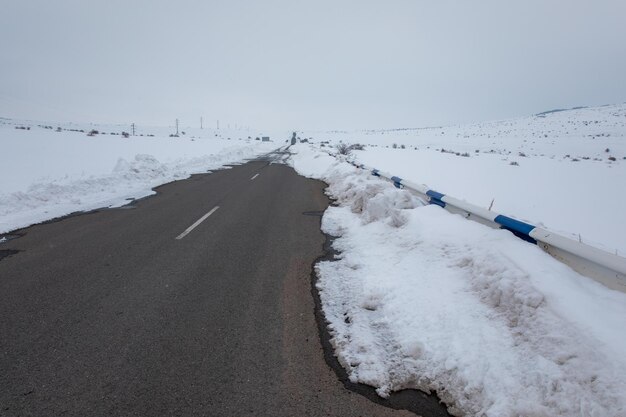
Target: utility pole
column 200, row 122
column 176, row 127
column 132, row 127
column 218, row 125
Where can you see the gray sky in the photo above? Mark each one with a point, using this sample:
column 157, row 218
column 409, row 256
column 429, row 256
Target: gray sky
column 308, row 64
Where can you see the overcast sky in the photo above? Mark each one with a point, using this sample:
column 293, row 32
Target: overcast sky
column 308, row 64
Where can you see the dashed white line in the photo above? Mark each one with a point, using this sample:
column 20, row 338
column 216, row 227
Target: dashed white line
column 193, row 226
column 256, row 175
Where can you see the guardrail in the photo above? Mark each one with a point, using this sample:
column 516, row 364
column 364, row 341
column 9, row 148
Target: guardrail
column 602, row 266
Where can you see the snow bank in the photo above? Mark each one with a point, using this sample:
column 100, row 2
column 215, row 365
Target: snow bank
column 421, row 298
column 51, row 174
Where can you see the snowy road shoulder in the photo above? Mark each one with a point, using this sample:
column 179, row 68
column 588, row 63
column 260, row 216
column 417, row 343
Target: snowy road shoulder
column 55, row 174
column 421, row 298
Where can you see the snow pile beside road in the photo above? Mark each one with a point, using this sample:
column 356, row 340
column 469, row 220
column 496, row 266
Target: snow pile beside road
column 421, row 298
column 52, row 174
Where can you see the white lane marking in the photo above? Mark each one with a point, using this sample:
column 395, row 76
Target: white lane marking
column 193, row 226
column 254, row 177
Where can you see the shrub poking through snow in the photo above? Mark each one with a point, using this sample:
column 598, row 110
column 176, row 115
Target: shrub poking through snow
column 345, row 149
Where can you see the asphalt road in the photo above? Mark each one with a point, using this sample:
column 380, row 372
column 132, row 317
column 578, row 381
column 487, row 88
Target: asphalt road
column 121, row 313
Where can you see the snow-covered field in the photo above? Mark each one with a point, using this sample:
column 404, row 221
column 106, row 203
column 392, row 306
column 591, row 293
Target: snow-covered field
column 421, row 298
column 53, row 169
column 569, row 174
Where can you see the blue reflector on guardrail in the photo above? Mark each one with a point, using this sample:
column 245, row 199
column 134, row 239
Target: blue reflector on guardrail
column 519, row 229
column 435, row 194
column 375, row 173
column 435, row 198
column 397, row 181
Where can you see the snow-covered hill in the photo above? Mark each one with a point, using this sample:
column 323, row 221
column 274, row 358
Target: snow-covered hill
column 565, row 170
